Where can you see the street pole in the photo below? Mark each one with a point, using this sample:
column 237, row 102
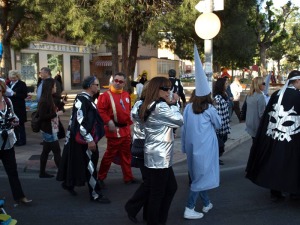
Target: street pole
column 207, row 26
column 208, row 49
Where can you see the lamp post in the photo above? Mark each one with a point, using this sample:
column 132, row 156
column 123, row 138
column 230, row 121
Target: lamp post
column 207, row 26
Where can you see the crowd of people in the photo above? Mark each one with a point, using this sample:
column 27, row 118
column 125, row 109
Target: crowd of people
column 272, row 122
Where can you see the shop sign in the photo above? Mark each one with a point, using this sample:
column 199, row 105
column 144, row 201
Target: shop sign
column 58, row 47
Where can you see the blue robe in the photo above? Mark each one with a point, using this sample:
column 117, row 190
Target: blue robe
column 200, row 143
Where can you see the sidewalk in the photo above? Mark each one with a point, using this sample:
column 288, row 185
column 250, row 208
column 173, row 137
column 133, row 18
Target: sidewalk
column 28, row 156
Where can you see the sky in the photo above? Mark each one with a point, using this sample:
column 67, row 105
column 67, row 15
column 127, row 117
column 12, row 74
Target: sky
column 279, row 3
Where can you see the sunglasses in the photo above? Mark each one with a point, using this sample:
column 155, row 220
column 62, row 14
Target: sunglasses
column 119, row 81
column 263, row 83
column 164, row 88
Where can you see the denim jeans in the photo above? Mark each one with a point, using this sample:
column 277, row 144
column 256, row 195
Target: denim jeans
column 49, row 137
column 193, row 196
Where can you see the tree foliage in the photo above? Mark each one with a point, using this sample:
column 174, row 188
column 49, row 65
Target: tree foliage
column 269, row 26
column 234, row 46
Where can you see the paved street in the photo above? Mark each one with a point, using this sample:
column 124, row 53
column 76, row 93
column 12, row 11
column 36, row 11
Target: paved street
column 237, row 201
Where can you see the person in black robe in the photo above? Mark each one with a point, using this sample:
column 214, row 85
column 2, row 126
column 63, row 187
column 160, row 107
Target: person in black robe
column 274, row 160
column 80, row 155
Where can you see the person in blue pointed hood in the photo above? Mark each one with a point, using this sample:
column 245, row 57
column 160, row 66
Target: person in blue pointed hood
column 200, row 143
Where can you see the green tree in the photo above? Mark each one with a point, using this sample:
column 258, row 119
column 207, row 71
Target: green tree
column 269, row 26
column 12, row 28
column 26, row 20
column 131, row 19
column 234, row 46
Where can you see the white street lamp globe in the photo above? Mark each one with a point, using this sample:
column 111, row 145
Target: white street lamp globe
column 207, row 26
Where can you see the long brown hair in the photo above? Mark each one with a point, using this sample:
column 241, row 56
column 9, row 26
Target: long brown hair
column 200, row 103
column 152, row 93
column 46, row 95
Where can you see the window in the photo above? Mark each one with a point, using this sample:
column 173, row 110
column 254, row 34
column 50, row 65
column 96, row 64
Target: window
column 163, row 66
column 29, row 68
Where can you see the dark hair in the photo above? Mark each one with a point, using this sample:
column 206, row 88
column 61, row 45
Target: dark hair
column 219, row 87
column 46, row 95
column 47, row 70
column 201, row 103
column 152, row 93
column 120, row 74
column 292, row 74
column 88, row 81
column 172, row 73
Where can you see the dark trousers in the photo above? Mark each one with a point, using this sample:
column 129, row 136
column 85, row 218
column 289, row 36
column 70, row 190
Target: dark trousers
column 10, row 165
column 140, row 198
column 20, row 133
column 223, row 138
column 47, row 148
column 236, row 108
column 162, row 188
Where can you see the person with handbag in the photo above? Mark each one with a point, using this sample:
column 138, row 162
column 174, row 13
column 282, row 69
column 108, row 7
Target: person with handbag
column 221, row 104
column 140, row 196
column 200, row 144
column 256, row 105
column 49, row 121
column 8, row 120
column 80, row 154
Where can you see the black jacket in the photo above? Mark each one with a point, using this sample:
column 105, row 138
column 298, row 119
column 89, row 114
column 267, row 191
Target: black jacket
column 18, row 100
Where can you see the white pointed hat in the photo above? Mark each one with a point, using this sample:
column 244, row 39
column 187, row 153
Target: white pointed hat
column 202, row 87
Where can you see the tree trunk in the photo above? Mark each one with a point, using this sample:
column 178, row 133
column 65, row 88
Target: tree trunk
column 6, row 59
column 134, row 45
column 125, row 39
column 278, row 66
column 263, row 65
column 114, row 54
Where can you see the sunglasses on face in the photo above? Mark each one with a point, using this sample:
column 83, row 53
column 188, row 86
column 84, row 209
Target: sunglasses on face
column 263, row 83
column 164, row 88
column 119, row 81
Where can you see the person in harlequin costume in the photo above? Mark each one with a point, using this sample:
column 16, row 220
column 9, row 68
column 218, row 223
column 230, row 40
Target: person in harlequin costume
column 80, row 155
column 114, row 107
column 274, row 157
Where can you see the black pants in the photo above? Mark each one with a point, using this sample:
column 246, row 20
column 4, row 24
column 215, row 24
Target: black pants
column 9, row 162
column 47, row 148
column 140, row 197
column 236, row 108
column 223, row 138
column 162, row 188
column 20, row 134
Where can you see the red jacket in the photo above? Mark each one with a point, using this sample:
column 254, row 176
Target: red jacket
column 123, row 106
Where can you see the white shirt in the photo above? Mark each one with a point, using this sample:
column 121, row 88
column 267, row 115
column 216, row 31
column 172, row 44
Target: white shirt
column 236, row 90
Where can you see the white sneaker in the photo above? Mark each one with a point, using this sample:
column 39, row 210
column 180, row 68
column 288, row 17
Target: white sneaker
column 191, row 214
column 207, row 208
